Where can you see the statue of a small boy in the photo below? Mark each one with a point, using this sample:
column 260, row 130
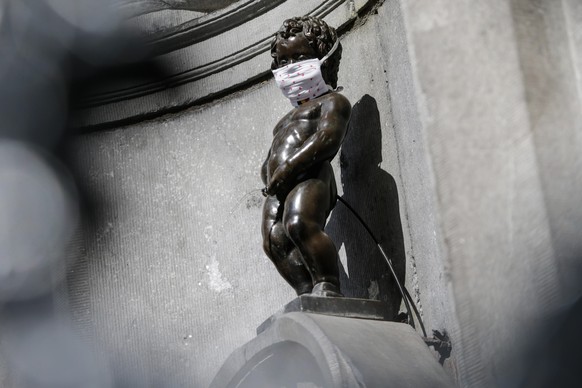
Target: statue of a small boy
column 299, row 179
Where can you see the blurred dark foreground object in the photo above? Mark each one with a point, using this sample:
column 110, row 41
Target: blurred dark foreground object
column 556, row 359
column 45, row 45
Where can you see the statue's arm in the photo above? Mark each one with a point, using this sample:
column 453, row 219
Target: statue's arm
column 322, row 145
column 264, row 169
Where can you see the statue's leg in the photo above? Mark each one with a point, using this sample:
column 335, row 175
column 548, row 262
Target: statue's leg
column 306, row 209
column 281, row 250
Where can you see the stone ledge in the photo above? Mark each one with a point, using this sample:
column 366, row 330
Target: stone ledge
column 338, row 307
column 329, row 351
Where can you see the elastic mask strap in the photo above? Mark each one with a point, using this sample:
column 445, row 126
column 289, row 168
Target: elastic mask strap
column 333, row 48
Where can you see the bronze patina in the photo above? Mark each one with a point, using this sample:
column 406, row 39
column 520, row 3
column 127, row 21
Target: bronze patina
column 299, row 179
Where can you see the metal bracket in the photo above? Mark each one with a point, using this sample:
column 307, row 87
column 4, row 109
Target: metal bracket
column 441, row 343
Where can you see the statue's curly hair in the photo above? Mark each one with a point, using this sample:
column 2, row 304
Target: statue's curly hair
column 321, row 38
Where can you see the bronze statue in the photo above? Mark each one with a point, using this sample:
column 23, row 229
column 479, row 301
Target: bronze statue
column 300, row 184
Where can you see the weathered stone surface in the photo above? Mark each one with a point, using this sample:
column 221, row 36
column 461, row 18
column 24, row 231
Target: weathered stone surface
column 173, row 267
column 337, row 352
column 475, row 109
column 552, row 92
column 201, row 60
column 145, row 6
column 496, row 111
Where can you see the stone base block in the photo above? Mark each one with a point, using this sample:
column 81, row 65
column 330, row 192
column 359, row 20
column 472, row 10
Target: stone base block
column 339, row 307
column 302, row 349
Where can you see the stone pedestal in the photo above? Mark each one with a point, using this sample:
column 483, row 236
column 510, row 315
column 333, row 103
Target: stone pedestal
column 338, row 307
column 305, row 349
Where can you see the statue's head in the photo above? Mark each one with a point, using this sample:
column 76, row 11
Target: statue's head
column 307, row 37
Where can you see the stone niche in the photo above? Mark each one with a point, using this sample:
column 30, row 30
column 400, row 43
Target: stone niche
column 147, row 6
column 178, row 259
column 198, row 57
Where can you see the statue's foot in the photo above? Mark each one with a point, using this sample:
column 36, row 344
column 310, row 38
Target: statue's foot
column 304, row 288
column 326, row 289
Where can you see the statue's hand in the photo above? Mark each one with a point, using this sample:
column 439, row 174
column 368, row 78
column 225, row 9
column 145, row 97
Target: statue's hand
column 278, row 184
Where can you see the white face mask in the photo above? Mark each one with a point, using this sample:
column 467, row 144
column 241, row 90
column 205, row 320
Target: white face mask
column 302, row 81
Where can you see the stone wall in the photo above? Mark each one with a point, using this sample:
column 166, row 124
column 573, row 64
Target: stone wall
column 498, row 100
column 174, row 259
column 462, row 155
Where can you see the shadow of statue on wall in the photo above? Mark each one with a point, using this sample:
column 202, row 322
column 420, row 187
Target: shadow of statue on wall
column 372, row 192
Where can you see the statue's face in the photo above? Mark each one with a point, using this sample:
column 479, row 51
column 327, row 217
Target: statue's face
column 294, row 49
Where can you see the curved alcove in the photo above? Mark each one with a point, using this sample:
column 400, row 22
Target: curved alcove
column 201, row 59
